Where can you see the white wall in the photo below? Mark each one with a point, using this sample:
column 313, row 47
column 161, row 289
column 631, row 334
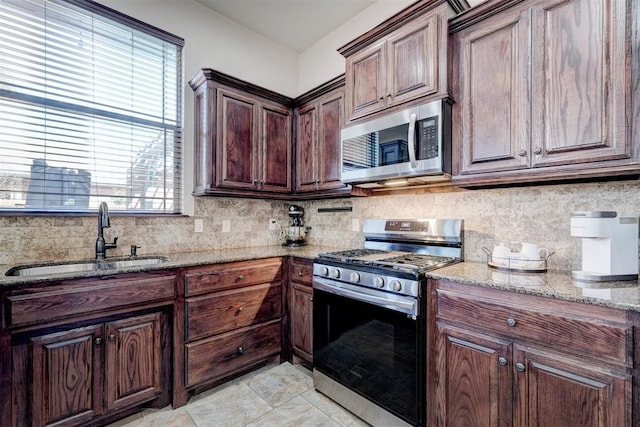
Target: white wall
column 322, row 62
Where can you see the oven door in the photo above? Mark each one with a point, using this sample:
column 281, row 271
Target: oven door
column 370, row 345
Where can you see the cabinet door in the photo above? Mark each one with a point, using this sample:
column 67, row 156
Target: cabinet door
column 412, row 66
column 330, row 122
column 580, row 77
column 553, row 391
column 237, row 139
column 133, row 357
column 494, row 106
column 366, row 75
column 306, row 146
column 473, row 379
column 301, row 321
column 275, row 158
column 67, row 376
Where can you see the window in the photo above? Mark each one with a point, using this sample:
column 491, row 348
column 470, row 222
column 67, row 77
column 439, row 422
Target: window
column 90, row 110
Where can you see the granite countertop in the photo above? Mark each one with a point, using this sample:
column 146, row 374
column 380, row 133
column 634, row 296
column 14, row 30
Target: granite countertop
column 554, row 284
column 175, row 260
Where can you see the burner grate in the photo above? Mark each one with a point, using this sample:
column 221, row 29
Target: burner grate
column 349, row 254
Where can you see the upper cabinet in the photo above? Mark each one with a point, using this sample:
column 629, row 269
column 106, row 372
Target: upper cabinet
column 543, row 91
column 243, row 137
column 401, row 60
column 319, row 120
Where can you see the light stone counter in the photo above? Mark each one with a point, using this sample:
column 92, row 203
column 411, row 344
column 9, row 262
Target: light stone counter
column 176, row 260
column 554, row 284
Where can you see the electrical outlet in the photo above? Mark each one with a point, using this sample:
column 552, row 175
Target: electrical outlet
column 272, row 224
column 355, row 224
column 226, row 225
column 198, row 225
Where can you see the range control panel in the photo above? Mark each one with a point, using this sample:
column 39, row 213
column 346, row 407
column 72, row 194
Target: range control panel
column 407, row 226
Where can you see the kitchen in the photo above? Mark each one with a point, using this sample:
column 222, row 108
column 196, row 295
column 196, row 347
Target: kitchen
column 538, row 213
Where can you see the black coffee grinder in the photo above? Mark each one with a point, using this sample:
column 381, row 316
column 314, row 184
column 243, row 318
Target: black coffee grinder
column 295, row 234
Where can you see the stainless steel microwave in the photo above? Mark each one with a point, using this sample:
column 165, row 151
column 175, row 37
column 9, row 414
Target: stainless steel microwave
column 414, row 142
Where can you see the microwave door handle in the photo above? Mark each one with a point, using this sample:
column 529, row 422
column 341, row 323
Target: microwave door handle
column 411, row 138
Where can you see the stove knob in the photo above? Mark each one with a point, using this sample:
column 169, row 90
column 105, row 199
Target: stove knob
column 324, row 271
column 355, row 277
column 335, row 273
column 396, row 285
column 378, row 282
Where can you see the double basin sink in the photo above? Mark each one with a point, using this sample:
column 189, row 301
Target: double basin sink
column 84, row 266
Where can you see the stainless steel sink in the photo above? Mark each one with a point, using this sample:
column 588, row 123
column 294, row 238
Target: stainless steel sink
column 84, row 266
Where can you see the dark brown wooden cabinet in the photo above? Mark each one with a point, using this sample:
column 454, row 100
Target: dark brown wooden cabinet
column 301, row 308
column 401, row 60
column 319, row 120
column 232, row 317
column 501, row 359
column 102, row 351
column 543, row 91
column 243, row 137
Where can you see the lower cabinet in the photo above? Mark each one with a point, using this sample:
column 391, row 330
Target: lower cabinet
column 301, row 309
column 87, row 351
column 232, row 321
column 502, row 359
column 84, row 372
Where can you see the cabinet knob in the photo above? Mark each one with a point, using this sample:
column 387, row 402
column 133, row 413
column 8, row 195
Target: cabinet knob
column 502, row 361
column 520, row 367
column 240, row 349
column 522, row 153
column 537, row 150
column 98, row 341
column 300, row 274
column 240, row 277
column 111, row 337
column 511, row 322
column 240, row 308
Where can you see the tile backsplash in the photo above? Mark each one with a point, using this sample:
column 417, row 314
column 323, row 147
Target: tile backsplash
column 538, row 214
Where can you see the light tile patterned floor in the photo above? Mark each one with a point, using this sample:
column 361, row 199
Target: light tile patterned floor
column 276, row 395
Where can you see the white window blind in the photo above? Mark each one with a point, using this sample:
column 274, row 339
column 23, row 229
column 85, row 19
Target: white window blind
column 90, row 110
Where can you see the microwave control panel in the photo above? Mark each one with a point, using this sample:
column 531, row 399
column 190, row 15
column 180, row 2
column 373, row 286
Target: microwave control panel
column 428, row 138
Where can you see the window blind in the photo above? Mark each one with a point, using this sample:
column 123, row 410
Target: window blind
column 90, row 110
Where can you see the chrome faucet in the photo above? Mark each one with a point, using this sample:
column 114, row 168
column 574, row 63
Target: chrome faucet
column 103, row 222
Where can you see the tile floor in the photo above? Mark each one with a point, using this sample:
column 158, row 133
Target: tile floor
column 276, row 395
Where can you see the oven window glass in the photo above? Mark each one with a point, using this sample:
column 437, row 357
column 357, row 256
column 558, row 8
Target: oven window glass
column 371, row 350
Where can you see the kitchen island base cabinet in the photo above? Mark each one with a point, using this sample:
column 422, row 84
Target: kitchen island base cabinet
column 499, row 359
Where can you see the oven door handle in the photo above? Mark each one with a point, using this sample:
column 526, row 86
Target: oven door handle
column 407, row 305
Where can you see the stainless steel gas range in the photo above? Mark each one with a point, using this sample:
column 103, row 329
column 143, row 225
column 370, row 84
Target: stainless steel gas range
column 369, row 323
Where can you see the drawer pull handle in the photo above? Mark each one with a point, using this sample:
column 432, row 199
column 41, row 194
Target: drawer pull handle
column 511, row 322
column 98, row 341
column 520, row 367
column 111, row 337
column 502, row 361
column 240, row 350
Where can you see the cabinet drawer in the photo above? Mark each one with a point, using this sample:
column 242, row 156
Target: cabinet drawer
column 232, row 309
column 85, row 296
column 301, row 271
column 225, row 354
column 232, row 275
column 566, row 331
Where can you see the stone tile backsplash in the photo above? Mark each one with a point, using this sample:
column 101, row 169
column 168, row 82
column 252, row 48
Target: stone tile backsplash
column 539, row 214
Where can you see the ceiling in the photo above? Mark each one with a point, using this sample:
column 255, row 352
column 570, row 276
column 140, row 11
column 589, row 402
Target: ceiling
column 296, row 24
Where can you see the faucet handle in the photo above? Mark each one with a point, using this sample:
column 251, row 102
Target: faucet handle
column 134, row 249
column 115, row 240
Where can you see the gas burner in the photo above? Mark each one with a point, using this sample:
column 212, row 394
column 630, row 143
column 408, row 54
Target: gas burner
column 350, row 254
column 415, row 262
